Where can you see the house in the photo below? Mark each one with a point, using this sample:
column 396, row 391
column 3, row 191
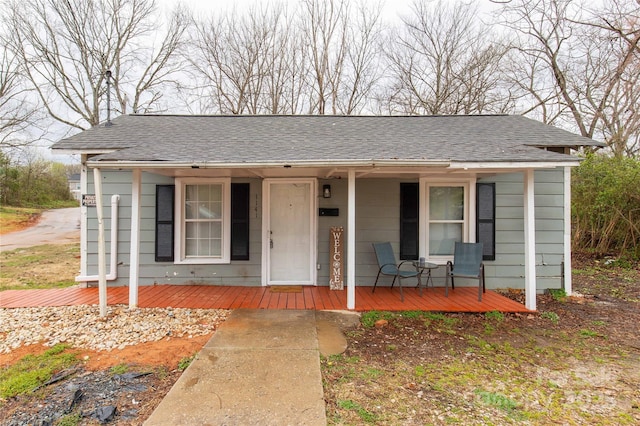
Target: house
column 252, row 200
column 74, row 186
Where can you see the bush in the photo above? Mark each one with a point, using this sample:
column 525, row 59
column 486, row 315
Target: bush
column 606, row 206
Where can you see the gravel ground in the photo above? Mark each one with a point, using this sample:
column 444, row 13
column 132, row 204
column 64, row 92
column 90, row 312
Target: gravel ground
column 82, row 327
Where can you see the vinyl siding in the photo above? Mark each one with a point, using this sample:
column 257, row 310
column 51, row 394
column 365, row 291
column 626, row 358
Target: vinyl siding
column 152, row 272
column 377, row 219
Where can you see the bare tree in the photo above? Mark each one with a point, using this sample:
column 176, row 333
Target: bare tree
column 271, row 60
column 17, row 113
column 343, row 53
column 442, row 61
column 249, row 64
column 324, row 24
column 579, row 72
column 65, row 48
column 362, row 70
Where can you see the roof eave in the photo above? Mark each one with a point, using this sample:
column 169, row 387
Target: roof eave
column 128, row 164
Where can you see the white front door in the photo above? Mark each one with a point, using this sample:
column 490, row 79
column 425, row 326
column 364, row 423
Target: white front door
column 289, row 251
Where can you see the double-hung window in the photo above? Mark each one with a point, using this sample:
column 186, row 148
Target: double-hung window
column 204, row 220
column 446, row 217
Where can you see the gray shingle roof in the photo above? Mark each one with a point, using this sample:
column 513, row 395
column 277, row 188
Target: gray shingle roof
column 290, row 139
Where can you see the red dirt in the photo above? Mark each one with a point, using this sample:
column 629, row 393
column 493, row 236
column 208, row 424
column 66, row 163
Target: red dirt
column 166, row 352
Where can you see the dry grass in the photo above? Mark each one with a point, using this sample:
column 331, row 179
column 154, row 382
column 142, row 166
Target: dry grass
column 17, row 218
column 46, row 266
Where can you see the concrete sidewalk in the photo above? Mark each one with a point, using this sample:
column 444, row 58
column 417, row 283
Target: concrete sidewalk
column 261, row 367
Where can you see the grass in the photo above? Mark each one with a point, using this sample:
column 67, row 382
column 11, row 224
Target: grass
column 119, row 369
column 534, row 375
column 45, row 266
column 33, row 371
column 185, row 362
column 16, row 218
column 365, row 415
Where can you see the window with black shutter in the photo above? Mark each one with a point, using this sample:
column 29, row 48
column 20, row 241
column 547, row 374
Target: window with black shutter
column 486, row 219
column 409, row 204
column 240, row 221
column 164, row 222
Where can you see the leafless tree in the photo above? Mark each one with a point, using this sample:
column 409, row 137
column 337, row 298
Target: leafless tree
column 575, row 70
column 442, row 61
column 362, row 71
column 324, row 24
column 279, row 61
column 17, row 113
column 250, row 63
column 65, row 48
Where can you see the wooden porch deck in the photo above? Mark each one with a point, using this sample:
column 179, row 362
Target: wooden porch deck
column 462, row 299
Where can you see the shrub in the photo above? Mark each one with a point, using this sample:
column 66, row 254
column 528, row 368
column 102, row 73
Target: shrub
column 606, row 205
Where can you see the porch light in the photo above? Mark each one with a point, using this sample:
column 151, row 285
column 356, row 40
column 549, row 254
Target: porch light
column 326, row 191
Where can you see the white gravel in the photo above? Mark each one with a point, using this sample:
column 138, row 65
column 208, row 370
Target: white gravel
column 82, row 326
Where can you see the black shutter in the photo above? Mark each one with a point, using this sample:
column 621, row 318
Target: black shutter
column 240, row 221
column 486, row 219
column 409, row 202
column 164, row 222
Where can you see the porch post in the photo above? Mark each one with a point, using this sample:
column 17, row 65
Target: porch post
column 529, row 241
column 351, row 242
column 567, row 231
column 102, row 274
column 134, row 251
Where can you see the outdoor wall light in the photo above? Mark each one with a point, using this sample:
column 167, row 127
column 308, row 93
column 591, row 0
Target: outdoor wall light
column 326, row 191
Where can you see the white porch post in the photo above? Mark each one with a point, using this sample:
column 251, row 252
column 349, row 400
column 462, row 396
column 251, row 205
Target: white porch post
column 84, row 189
column 567, row 231
column 351, row 242
column 134, row 251
column 102, row 270
column 529, row 241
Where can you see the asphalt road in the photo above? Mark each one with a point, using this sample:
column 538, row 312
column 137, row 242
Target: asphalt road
column 59, row 226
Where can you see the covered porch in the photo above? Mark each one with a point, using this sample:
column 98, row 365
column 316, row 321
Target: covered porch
column 462, row 299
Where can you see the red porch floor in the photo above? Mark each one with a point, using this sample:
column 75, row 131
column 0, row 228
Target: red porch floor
column 225, row 297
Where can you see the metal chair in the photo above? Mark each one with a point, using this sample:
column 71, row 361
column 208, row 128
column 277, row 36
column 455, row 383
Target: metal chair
column 389, row 266
column 467, row 263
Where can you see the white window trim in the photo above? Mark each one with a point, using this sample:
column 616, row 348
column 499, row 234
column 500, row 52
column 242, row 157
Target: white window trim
column 469, row 224
column 179, row 244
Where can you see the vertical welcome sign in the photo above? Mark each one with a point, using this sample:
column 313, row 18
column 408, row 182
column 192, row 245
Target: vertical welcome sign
column 336, row 258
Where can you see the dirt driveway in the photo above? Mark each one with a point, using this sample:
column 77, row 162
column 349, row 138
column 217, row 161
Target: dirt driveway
column 59, row 226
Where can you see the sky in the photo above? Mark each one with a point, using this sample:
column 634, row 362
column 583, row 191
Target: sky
column 391, row 12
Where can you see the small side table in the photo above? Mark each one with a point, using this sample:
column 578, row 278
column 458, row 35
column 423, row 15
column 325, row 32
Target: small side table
column 427, row 266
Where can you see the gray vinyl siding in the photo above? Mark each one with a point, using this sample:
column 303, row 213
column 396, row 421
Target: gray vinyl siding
column 377, row 219
column 507, row 271
column 150, row 271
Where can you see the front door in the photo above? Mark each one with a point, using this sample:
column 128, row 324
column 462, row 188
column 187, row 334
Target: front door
column 289, row 231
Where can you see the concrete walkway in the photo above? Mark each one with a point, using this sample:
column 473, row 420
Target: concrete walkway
column 262, row 367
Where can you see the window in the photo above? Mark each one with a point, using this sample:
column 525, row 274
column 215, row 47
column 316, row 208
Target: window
column 445, row 209
column 204, row 220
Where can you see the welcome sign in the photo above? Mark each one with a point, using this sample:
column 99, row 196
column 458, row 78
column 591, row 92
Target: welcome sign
column 336, row 258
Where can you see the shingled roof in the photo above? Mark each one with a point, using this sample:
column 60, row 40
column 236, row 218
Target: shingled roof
column 323, row 139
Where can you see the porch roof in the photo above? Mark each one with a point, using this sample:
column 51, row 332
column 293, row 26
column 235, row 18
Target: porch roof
column 330, row 140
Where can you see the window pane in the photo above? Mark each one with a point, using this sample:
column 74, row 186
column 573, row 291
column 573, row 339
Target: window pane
column 203, row 201
column 203, row 239
column 442, row 238
column 446, row 203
